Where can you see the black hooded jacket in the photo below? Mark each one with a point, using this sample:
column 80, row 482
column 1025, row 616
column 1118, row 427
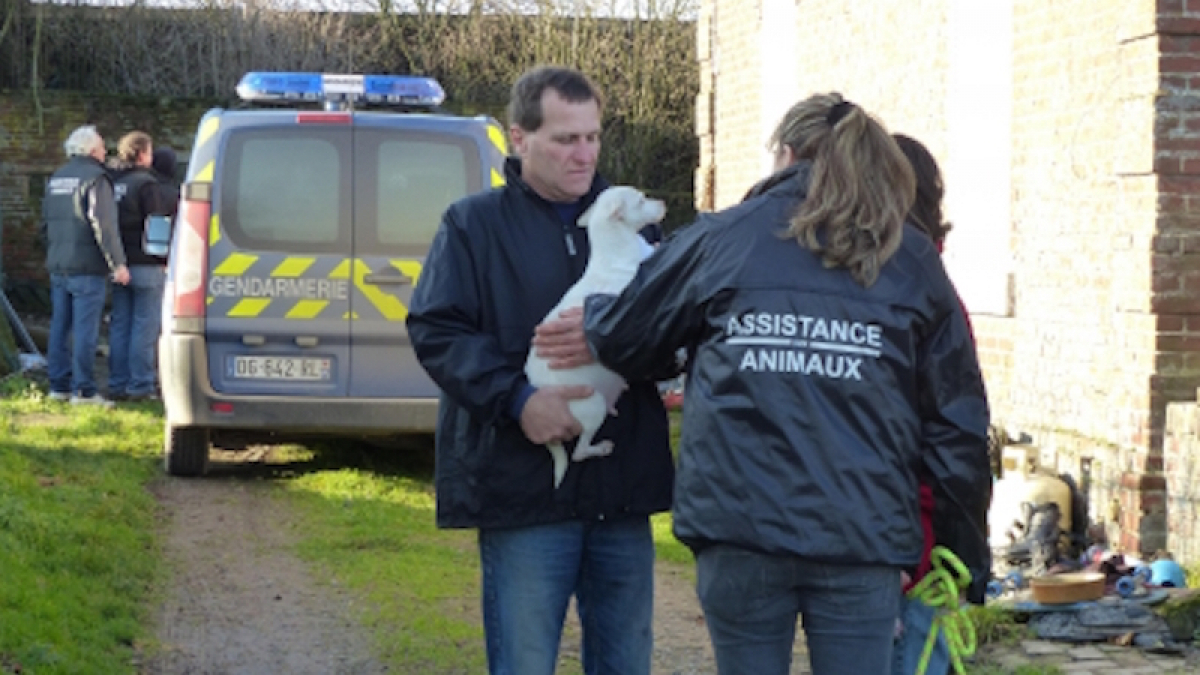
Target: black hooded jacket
column 165, row 166
column 138, row 196
column 501, row 260
column 812, row 403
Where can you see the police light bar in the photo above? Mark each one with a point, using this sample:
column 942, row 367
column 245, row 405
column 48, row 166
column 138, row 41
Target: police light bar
column 384, row 89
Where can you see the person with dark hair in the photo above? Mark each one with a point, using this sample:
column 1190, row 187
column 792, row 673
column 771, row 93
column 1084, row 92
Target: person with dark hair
column 926, row 211
column 137, row 306
column 83, row 247
column 500, row 262
column 829, row 366
column 165, row 165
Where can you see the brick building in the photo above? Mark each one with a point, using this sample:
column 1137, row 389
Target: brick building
column 1069, row 135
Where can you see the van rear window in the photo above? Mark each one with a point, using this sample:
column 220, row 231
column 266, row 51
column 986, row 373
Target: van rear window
column 287, row 188
column 405, row 179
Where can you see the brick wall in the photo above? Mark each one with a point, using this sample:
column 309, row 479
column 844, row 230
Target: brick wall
column 1103, row 324
column 835, row 44
column 31, row 148
column 1181, row 460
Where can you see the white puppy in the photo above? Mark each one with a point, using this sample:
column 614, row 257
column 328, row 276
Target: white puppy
column 613, row 223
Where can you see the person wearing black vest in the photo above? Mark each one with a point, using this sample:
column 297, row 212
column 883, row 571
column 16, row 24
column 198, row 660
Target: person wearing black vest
column 136, row 316
column 83, row 247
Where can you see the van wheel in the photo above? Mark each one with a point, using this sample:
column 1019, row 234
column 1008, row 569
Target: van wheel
column 186, row 451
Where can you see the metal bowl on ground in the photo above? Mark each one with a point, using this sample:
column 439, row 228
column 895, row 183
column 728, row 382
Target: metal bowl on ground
column 1066, row 588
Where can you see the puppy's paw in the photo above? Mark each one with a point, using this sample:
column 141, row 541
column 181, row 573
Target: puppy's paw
column 601, row 449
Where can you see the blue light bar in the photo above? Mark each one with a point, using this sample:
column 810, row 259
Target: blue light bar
column 385, row 89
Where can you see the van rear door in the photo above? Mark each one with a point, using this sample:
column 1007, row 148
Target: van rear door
column 407, row 171
column 279, row 283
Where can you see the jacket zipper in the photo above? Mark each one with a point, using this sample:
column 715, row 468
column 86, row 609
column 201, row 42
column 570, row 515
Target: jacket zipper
column 570, row 242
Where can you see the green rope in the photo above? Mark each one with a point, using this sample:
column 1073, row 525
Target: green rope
column 940, row 589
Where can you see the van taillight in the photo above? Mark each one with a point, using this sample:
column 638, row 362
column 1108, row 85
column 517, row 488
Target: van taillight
column 191, row 262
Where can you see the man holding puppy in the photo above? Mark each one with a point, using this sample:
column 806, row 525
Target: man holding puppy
column 501, row 261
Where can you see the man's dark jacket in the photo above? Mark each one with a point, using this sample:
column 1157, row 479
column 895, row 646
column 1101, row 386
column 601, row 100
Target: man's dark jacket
column 812, row 403
column 139, row 195
column 500, row 262
column 75, row 243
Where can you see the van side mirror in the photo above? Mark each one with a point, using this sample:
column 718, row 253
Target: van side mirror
column 156, row 236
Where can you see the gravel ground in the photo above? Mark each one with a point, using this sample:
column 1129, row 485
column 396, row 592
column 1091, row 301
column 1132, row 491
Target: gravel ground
column 241, row 604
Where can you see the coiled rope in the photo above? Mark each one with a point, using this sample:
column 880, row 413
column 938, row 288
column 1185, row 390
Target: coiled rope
column 941, row 589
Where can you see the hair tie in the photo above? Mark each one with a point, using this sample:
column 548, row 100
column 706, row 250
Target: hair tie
column 838, row 111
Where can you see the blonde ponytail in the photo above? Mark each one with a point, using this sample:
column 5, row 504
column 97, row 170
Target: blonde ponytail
column 861, row 186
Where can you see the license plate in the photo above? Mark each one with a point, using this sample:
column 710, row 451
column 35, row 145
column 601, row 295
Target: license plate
column 298, row 368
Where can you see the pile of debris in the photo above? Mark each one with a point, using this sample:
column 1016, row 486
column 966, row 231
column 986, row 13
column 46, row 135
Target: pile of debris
column 1054, row 570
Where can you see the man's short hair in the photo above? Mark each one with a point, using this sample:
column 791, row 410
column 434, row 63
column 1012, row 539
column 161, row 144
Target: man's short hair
column 525, row 102
column 83, row 141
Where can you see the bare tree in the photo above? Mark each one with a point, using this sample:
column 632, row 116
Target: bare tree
column 641, row 53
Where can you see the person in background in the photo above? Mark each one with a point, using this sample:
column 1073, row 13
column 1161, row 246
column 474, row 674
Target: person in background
column 83, row 248
column 830, row 364
column 501, row 260
column 136, row 306
column 926, row 212
column 165, row 165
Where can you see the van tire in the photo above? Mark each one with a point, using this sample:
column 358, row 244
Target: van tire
column 186, row 451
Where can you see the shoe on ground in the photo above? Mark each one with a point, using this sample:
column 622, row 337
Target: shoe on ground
column 118, row 396
column 60, row 396
column 94, row 399
column 141, row 398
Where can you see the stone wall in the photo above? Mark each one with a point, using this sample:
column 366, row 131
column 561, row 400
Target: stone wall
column 1101, row 324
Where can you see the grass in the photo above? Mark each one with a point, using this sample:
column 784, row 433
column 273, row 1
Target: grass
column 80, row 541
column 79, row 556
column 373, row 531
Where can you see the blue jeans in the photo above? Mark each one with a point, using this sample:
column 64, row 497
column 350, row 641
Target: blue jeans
column 133, row 334
column 77, row 301
column 529, row 576
column 751, row 601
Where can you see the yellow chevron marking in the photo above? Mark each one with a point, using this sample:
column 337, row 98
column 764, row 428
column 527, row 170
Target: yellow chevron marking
column 306, row 309
column 350, row 315
column 496, row 134
column 292, row 267
column 235, row 265
column 205, row 175
column 207, row 129
column 410, row 268
column 342, row 271
column 249, row 307
column 214, row 231
column 497, row 178
column 388, row 305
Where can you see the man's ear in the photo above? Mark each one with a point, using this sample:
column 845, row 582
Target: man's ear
column 517, row 136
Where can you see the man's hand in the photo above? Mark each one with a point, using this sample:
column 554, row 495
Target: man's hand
column 121, row 275
column 561, row 341
column 546, row 416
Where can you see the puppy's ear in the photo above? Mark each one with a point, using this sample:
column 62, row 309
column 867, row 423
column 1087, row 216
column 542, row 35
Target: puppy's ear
column 606, row 207
column 585, row 217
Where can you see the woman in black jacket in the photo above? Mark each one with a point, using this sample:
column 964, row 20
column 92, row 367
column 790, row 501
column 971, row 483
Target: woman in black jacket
column 830, row 364
column 136, row 306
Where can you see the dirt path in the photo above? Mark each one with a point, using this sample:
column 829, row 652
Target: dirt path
column 241, row 604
